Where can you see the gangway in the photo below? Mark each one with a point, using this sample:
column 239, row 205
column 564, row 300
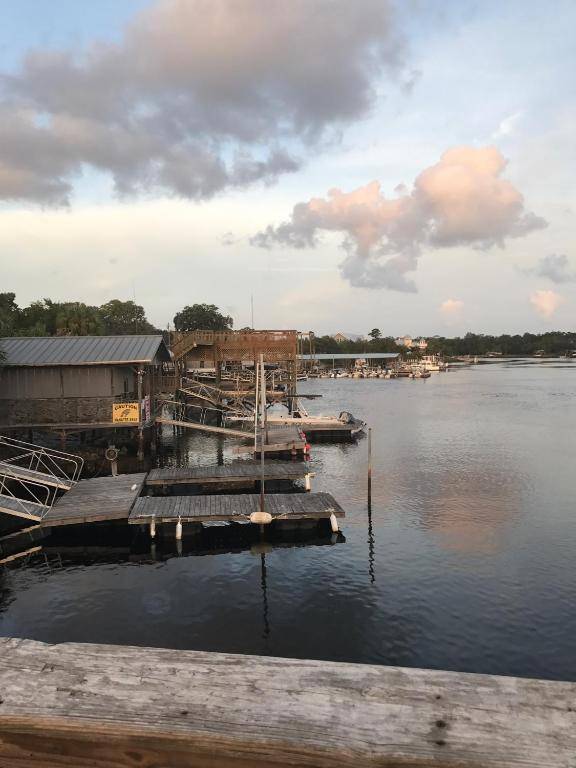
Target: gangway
column 37, row 502
column 35, row 464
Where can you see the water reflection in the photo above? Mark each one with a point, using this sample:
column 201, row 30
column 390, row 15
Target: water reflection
column 371, row 541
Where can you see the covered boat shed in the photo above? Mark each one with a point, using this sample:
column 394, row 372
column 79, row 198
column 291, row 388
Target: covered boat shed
column 72, row 383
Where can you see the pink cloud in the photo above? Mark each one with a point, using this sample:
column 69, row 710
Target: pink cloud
column 546, row 302
column 461, row 200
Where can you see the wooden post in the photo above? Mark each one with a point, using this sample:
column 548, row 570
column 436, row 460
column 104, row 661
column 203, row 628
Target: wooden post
column 140, row 423
column 369, row 466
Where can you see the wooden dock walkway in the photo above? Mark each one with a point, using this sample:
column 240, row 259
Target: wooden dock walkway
column 86, row 705
column 233, row 507
column 239, row 472
column 95, row 500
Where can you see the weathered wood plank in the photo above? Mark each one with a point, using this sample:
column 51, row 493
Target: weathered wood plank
column 229, row 506
column 228, row 473
column 97, row 499
column 93, row 706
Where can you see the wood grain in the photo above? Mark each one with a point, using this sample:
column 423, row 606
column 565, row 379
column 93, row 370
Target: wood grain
column 98, row 706
column 238, row 506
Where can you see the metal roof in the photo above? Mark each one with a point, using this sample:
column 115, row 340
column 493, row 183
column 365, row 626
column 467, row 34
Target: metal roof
column 82, row 350
column 352, row 356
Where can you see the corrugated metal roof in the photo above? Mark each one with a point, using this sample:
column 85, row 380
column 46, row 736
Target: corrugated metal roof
column 82, row 350
column 352, row 356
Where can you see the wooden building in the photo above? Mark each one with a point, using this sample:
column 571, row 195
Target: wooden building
column 70, row 383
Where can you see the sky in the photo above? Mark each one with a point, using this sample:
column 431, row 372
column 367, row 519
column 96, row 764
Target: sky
column 407, row 166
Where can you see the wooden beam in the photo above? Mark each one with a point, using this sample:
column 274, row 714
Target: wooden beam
column 99, row 706
column 205, row 428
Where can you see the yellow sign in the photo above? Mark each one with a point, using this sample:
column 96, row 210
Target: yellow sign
column 126, row 413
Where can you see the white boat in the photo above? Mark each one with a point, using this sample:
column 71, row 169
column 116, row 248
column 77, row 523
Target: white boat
column 432, row 363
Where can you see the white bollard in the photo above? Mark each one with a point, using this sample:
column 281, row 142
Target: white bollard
column 179, row 530
column 333, row 523
column 152, row 529
column 307, row 482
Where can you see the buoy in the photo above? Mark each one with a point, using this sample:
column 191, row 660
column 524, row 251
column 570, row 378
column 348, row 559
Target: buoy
column 261, row 518
column 133, row 487
column 179, row 530
column 333, row 523
column 307, row 482
column 152, row 528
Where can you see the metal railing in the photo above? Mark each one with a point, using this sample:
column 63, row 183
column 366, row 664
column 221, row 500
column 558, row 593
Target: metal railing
column 61, row 466
column 38, row 494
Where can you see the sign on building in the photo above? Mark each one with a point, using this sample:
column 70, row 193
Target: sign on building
column 126, row 413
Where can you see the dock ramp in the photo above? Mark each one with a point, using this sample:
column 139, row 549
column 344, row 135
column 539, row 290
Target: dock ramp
column 34, row 463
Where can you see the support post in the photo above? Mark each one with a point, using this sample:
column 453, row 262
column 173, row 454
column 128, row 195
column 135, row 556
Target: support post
column 140, row 422
column 262, row 431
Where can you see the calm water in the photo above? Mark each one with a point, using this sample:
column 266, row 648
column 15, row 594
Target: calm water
column 466, row 562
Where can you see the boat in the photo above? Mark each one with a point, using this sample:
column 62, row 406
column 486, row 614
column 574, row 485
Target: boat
column 432, row 363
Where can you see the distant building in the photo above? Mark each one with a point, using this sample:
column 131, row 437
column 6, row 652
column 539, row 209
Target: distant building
column 409, row 343
column 340, row 337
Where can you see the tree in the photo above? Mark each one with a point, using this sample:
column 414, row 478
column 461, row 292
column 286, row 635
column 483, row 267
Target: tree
column 375, row 334
column 77, row 319
column 8, row 314
column 202, row 317
column 124, row 318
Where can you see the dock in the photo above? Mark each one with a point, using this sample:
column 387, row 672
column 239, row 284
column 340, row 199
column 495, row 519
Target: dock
column 239, row 473
column 126, row 706
column 233, row 507
column 279, row 440
column 96, row 500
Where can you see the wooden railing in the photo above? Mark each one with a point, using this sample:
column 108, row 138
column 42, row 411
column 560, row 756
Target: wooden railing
column 114, row 707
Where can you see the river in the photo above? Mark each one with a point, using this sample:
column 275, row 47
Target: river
column 466, row 560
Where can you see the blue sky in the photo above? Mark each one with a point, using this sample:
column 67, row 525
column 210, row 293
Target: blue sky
column 484, row 74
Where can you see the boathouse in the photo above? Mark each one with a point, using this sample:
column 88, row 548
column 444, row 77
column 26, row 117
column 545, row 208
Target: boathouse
column 75, row 382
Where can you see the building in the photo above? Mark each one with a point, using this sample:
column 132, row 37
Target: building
column 340, row 337
column 409, row 343
column 73, row 382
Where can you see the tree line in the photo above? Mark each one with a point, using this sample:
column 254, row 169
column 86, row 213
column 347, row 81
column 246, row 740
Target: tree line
column 115, row 317
column 550, row 343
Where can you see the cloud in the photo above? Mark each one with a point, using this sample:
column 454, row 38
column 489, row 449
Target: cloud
column 198, row 96
column 451, row 307
column 508, row 126
column 546, row 302
column 555, row 267
column 461, row 200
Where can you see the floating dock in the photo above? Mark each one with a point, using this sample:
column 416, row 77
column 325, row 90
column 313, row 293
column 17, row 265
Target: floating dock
column 233, row 508
column 239, row 473
column 108, row 499
column 96, row 500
